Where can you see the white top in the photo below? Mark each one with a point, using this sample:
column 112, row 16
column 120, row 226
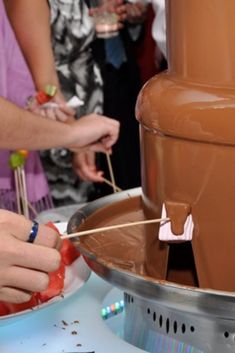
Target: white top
column 159, row 25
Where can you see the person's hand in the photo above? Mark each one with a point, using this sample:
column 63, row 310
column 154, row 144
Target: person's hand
column 112, row 6
column 119, row 7
column 135, row 12
column 84, row 164
column 126, row 11
column 24, row 266
column 94, row 132
column 61, row 113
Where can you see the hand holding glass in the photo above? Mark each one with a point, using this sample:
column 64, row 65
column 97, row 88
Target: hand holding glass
column 105, row 18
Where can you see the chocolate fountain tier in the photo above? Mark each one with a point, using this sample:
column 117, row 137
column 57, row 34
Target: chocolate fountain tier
column 203, row 318
column 187, row 118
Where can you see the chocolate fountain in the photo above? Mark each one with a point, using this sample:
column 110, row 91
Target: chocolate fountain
column 183, row 290
column 187, row 121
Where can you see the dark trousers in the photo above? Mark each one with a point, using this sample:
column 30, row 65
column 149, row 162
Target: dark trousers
column 121, row 88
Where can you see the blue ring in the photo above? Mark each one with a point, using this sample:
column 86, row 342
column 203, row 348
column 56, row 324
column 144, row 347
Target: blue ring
column 33, row 233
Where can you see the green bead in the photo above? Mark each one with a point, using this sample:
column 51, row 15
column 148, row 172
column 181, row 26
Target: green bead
column 50, row 90
column 16, row 160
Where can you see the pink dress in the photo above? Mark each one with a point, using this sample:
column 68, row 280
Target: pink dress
column 16, row 85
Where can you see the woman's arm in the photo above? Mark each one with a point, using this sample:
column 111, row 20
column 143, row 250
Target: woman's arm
column 22, row 129
column 31, row 23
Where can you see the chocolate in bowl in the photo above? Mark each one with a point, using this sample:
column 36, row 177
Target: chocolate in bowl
column 134, row 249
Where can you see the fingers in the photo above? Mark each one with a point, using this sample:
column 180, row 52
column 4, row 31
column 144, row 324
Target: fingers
column 84, row 165
column 121, row 11
column 99, row 147
column 56, row 109
column 136, row 12
column 90, row 175
column 60, row 116
column 68, row 111
column 19, row 227
column 95, row 132
column 50, row 113
column 48, row 237
column 25, row 279
column 103, row 145
column 38, row 111
column 110, row 138
column 19, row 253
column 36, row 257
column 24, row 266
column 62, row 113
column 14, row 295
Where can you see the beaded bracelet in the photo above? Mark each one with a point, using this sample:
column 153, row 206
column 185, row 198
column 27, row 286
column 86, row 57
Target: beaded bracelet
column 42, row 96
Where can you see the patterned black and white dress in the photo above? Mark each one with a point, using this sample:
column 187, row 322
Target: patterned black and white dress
column 72, row 34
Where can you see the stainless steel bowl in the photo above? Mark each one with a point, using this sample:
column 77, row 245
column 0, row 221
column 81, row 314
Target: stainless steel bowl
column 161, row 316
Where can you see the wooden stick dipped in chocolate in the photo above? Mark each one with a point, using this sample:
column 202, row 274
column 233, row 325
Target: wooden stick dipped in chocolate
column 117, row 226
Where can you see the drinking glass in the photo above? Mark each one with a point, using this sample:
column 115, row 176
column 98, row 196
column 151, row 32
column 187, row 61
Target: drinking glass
column 106, row 21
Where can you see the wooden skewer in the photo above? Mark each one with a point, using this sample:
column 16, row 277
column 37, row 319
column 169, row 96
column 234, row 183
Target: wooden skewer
column 111, row 184
column 21, row 190
column 105, row 229
column 24, row 195
column 17, row 191
column 111, row 172
column 30, row 207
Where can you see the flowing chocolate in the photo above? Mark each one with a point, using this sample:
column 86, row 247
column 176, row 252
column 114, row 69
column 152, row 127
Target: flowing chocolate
column 178, row 213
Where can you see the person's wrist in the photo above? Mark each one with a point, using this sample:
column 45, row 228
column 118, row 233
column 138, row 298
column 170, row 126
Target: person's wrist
column 71, row 136
column 45, row 95
column 42, row 96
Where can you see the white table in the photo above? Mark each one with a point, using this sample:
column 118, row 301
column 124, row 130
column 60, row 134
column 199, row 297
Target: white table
column 44, row 332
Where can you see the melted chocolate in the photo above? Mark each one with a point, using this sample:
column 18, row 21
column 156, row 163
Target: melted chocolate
column 178, row 213
column 137, row 248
